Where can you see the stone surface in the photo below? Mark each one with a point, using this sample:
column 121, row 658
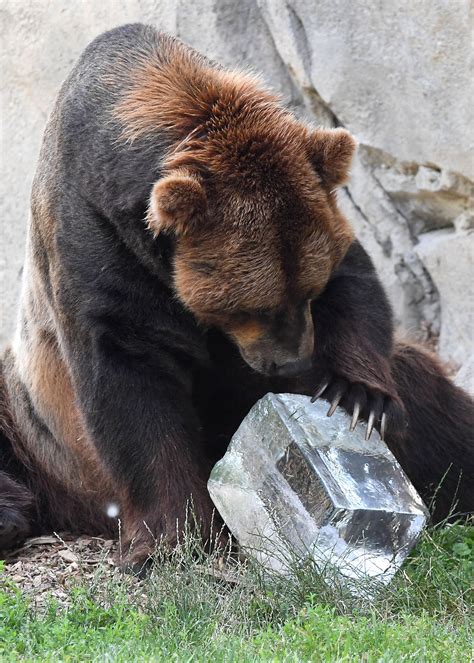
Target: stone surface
column 386, row 70
column 296, row 484
column 426, row 197
column 449, row 258
column 465, row 376
column 395, row 74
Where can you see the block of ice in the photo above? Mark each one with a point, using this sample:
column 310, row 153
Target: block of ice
column 295, row 483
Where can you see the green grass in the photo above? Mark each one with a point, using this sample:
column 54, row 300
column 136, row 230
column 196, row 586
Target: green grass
column 183, row 613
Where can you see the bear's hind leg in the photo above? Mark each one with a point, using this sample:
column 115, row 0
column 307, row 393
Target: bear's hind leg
column 437, row 448
column 16, row 505
column 17, row 501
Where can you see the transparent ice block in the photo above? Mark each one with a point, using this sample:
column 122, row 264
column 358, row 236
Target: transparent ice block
column 295, row 483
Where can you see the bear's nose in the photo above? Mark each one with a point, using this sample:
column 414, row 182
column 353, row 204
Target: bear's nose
column 291, row 368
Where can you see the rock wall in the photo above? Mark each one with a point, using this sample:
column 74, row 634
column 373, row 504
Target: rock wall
column 397, row 74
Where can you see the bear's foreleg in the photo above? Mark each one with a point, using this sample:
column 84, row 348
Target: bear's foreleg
column 144, row 427
column 353, row 345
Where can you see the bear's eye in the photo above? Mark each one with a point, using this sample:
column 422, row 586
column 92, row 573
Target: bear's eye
column 262, row 315
column 265, row 314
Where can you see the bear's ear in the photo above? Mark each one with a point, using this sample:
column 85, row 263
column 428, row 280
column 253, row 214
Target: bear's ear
column 331, row 152
column 177, row 203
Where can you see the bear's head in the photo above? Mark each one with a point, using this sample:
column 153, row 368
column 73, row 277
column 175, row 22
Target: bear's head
column 258, row 234
column 248, row 193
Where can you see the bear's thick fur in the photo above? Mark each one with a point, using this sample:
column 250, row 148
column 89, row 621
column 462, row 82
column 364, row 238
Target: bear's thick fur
column 186, row 256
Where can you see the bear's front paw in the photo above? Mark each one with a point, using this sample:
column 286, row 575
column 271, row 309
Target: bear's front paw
column 381, row 409
column 154, row 534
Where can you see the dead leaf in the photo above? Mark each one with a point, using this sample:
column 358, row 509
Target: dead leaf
column 68, row 555
column 40, row 541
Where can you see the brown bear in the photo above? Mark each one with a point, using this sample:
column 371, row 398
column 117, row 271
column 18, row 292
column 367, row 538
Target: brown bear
column 185, row 256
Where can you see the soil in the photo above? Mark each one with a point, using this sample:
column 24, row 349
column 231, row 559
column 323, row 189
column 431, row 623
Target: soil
column 46, row 567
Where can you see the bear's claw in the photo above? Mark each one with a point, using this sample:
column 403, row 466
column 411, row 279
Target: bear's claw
column 357, row 401
column 370, row 425
column 320, row 392
column 335, row 402
column 355, row 416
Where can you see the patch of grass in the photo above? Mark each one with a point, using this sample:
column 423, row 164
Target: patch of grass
column 186, row 612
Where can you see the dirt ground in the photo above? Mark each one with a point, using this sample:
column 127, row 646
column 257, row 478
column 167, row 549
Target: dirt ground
column 46, row 566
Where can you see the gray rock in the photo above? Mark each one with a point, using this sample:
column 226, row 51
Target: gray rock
column 295, row 483
column 449, row 259
column 396, row 74
column 465, row 376
column 427, row 198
